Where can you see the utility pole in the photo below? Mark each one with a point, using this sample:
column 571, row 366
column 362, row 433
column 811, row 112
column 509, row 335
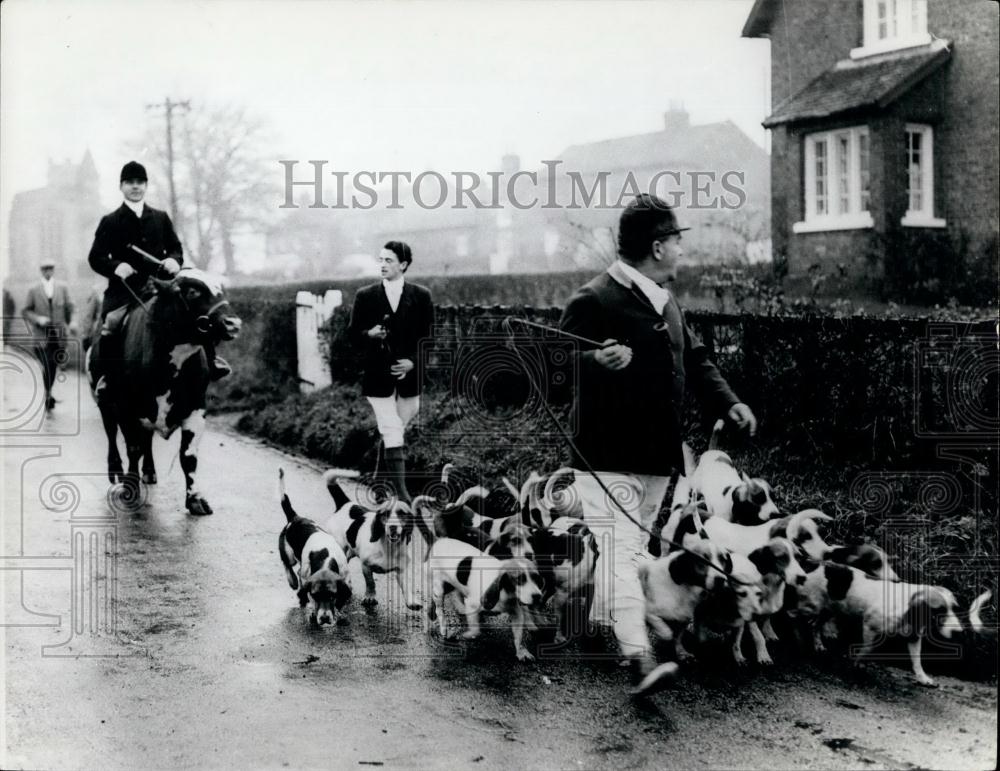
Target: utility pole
column 168, row 108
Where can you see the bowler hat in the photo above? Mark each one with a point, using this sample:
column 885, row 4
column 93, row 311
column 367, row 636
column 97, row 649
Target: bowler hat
column 133, row 170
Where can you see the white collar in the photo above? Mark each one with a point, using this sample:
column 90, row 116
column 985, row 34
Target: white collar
column 657, row 295
column 136, row 207
column 396, row 285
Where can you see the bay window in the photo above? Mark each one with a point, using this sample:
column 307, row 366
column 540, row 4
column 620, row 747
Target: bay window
column 837, row 195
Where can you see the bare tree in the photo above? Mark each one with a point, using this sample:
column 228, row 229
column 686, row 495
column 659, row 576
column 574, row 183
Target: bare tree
column 224, row 182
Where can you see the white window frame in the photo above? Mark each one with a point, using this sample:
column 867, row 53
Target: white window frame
column 833, row 219
column 906, row 26
column 924, row 216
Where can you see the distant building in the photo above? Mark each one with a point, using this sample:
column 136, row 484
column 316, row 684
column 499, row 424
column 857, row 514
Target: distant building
column 698, row 169
column 884, row 132
column 714, row 174
column 56, row 222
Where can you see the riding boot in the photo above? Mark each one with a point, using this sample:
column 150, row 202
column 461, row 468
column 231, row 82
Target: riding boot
column 395, row 469
column 106, row 358
column 218, row 367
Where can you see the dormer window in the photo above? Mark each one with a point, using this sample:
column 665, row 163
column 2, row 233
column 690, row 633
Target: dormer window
column 890, row 25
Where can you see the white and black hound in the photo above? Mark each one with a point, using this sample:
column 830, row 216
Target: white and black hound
column 380, row 539
column 322, row 577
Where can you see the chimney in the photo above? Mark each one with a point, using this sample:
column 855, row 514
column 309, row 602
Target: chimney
column 676, row 118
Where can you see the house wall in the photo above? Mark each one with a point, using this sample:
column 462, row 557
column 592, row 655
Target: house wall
column 967, row 138
column 961, row 101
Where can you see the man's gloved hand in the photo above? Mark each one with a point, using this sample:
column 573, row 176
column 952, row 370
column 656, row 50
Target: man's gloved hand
column 171, row 266
column 124, row 270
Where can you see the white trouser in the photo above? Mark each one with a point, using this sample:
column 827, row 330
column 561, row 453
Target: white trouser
column 618, row 598
column 393, row 414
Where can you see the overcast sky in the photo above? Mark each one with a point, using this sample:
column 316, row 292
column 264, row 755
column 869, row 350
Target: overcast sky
column 382, row 86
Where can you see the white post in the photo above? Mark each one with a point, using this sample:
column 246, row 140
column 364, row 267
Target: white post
column 311, row 312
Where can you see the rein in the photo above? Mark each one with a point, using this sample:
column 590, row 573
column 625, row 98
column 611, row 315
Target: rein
column 203, row 322
column 507, row 325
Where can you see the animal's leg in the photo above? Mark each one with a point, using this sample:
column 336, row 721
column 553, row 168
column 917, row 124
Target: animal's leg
column 438, row 600
column 869, row 637
column 406, row 589
column 370, row 601
column 738, row 656
column 918, row 667
column 681, row 653
column 131, row 495
column 148, row 467
column 110, row 421
column 472, row 622
column 660, row 627
column 760, row 644
column 192, row 429
column 768, row 630
column 560, row 603
column 517, row 623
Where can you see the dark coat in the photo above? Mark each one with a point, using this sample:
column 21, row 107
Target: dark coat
column 629, row 420
column 153, row 233
column 408, row 327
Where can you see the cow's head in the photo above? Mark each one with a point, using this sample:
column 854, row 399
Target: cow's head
column 205, row 301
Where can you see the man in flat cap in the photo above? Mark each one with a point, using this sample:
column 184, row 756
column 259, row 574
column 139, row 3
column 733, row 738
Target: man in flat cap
column 628, row 407
column 49, row 314
column 128, row 272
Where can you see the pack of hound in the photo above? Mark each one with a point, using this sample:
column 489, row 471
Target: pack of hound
column 731, row 563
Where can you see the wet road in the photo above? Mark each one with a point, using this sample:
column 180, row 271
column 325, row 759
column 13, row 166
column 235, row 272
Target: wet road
column 204, row 660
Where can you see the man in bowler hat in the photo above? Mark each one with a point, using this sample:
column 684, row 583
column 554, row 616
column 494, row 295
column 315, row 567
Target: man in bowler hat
column 629, row 399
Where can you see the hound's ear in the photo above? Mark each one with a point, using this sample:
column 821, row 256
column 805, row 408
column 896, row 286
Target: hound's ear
column 492, row 594
column 838, row 580
column 687, row 570
column 932, row 596
column 726, row 560
column 344, row 594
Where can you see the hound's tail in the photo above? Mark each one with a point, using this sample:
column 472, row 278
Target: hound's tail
column 332, row 479
column 689, row 462
column 713, row 442
column 446, row 470
column 975, row 621
column 419, row 506
column 286, row 505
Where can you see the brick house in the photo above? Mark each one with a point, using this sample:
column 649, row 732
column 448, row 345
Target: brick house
column 884, row 132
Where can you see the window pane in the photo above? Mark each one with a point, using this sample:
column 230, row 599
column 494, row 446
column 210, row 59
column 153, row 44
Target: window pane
column 915, row 176
column 843, row 172
column 821, row 181
column 918, row 16
column 883, row 28
column 863, row 156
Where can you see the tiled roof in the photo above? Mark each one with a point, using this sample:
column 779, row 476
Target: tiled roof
column 872, row 82
column 707, row 146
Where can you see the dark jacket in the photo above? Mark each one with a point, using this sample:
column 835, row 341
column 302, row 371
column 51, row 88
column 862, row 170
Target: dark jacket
column 408, row 327
column 153, row 233
column 629, row 420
